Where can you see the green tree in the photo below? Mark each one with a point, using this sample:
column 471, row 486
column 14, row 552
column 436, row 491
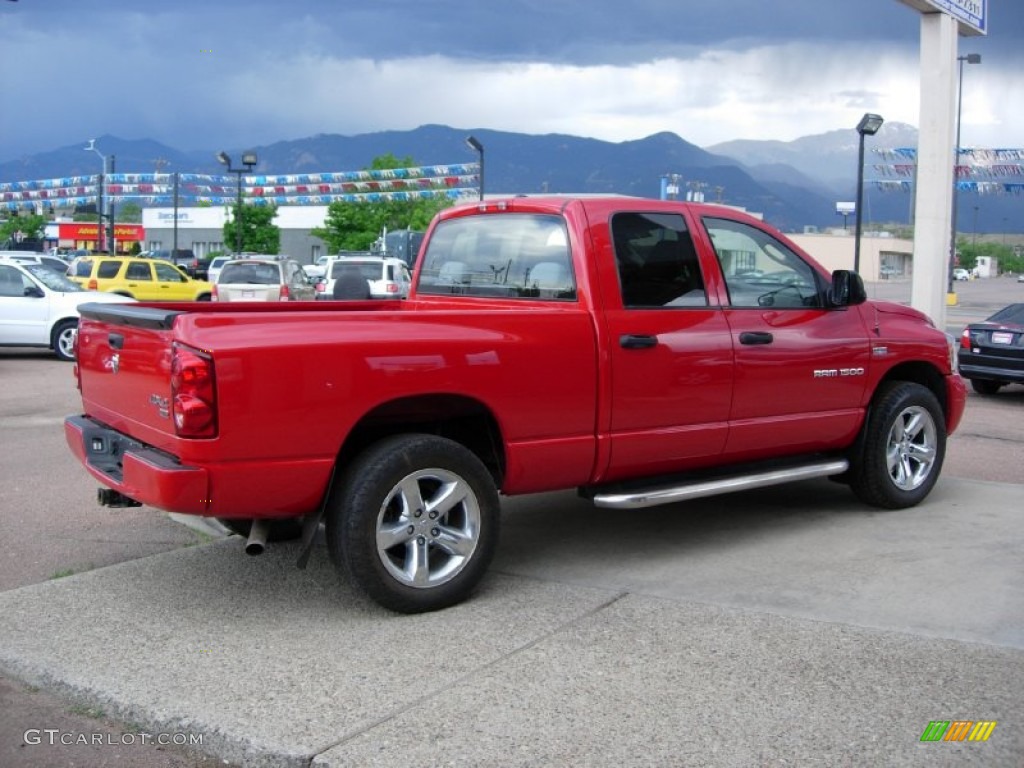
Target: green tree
column 32, row 226
column 259, row 233
column 1007, row 260
column 355, row 226
column 129, row 212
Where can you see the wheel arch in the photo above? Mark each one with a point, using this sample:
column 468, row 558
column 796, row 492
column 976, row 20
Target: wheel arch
column 462, row 419
column 57, row 324
column 922, row 373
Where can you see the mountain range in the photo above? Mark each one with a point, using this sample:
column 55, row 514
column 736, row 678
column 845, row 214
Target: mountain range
column 794, row 184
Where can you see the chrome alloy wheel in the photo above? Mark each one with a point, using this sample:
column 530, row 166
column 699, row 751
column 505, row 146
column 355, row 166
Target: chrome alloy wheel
column 912, row 448
column 428, row 528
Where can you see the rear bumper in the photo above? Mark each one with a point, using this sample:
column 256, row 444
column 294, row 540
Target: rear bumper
column 272, row 488
column 972, row 370
column 136, row 470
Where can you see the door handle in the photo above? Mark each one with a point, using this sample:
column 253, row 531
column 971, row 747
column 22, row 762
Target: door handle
column 636, row 341
column 115, row 340
column 756, row 337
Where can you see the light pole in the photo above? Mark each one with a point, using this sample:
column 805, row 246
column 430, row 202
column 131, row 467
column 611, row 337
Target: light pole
column 473, row 143
column 868, row 126
column 970, row 58
column 99, row 195
column 248, row 160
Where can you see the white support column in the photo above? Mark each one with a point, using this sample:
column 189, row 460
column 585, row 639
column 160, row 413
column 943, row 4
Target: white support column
column 937, row 135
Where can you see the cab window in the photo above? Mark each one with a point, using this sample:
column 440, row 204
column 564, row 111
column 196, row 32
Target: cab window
column 761, row 271
column 11, row 282
column 518, row 256
column 656, row 261
column 165, row 273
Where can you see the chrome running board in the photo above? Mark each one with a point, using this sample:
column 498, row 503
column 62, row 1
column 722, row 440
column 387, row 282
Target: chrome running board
column 667, row 494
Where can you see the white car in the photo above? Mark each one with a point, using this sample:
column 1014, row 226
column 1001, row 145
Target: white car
column 39, row 308
column 386, row 277
column 215, row 266
column 961, row 274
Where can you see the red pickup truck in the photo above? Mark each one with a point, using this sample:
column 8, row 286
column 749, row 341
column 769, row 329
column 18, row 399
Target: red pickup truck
column 644, row 352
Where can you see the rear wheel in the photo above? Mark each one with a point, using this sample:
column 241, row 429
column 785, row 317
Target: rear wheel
column 414, row 522
column 64, row 339
column 985, row 386
column 901, row 449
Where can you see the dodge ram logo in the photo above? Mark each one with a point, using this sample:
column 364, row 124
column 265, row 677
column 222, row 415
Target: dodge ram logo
column 163, row 405
column 113, row 363
column 835, row 373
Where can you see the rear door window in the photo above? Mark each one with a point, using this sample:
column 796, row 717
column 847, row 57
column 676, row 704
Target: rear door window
column 138, row 270
column 108, row 270
column 657, row 262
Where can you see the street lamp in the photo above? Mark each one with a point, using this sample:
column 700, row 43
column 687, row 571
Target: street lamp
column 970, row 58
column 868, row 126
column 99, row 200
column 248, row 160
column 473, row 143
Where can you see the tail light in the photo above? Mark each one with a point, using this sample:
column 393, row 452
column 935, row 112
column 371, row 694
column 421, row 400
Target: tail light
column 193, row 393
column 321, row 286
column 392, row 287
column 213, row 293
column 284, row 293
column 93, row 285
column 965, row 339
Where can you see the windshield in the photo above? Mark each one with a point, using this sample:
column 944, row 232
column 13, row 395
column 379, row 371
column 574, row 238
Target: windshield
column 52, row 280
column 252, row 272
column 370, row 270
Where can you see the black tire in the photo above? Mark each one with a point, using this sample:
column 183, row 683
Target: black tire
column 985, row 386
column 204, row 297
column 64, row 339
column 439, row 507
column 284, row 529
column 901, row 448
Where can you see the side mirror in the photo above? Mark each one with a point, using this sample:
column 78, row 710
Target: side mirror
column 847, row 289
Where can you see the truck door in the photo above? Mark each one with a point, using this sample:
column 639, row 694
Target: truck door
column 670, row 350
column 800, row 366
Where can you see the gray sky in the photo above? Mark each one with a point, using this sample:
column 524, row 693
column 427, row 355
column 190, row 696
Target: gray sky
column 195, row 74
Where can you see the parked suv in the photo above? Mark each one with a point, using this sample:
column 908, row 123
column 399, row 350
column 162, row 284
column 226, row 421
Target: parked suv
column 388, row 278
column 145, row 279
column 39, row 308
column 182, row 257
column 267, row 279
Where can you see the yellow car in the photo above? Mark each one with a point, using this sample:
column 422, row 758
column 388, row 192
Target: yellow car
column 141, row 279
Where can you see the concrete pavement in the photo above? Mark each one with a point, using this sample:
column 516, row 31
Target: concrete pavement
column 787, row 627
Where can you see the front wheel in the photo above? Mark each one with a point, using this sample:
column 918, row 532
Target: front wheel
column 414, row 522
column 901, row 448
column 64, row 339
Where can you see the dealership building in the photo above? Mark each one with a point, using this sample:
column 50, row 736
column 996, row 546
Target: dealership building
column 201, row 229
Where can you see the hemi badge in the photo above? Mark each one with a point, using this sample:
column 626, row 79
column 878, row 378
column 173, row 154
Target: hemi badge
column 879, row 351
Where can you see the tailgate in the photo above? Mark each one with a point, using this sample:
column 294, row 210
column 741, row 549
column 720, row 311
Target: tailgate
column 124, row 365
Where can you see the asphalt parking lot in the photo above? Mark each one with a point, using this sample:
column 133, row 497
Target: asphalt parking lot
column 786, row 626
